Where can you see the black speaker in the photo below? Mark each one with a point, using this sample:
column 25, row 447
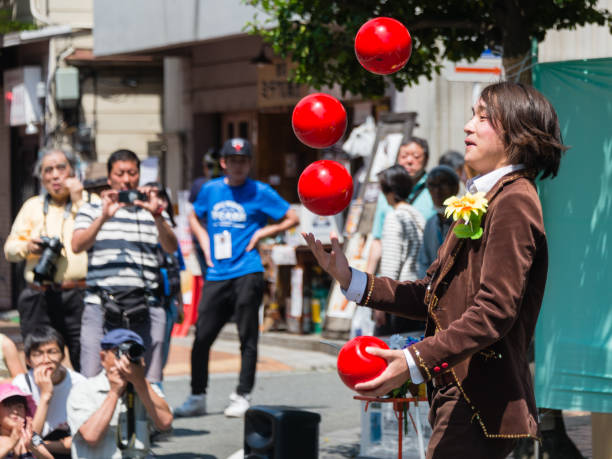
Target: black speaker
column 279, row 432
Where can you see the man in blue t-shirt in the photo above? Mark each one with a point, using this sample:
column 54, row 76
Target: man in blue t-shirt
column 237, row 210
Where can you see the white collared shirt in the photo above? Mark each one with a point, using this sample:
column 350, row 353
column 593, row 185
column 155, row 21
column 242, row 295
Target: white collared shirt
column 483, row 183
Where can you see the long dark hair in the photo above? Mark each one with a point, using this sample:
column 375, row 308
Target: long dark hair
column 527, row 124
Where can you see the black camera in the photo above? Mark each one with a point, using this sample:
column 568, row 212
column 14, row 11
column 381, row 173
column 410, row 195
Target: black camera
column 133, row 351
column 129, row 196
column 45, row 268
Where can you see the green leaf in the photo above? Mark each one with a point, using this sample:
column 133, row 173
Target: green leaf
column 477, row 234
column 463, row 231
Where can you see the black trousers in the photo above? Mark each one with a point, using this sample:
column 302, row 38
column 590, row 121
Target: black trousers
column 61, row 309
column 240, row 297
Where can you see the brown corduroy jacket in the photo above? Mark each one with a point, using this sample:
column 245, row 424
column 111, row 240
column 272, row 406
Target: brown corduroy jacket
column 481, row 309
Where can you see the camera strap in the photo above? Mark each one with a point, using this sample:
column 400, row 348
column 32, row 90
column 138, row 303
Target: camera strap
column 67, row 211
column 131, row 420
column 148, row 290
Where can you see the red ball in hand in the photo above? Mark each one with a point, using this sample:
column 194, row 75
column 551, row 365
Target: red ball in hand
column 355, row 365
column 319, row 120
column 383, row 45
column 325, row 187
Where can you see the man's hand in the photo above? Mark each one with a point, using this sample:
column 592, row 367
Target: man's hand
column 335, row 262
column 42, row 378
column 75, row 187
column 396, row 373
column 254, row 240
column 116, row 380
column 110, row 203
column 154, row 203
column 131, row 371
column 34, row 246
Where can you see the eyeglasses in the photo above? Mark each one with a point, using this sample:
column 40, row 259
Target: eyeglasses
column 60, row 168
column 53, row 354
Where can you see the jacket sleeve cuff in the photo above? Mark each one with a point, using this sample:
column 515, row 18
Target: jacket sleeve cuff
column 415, row 375
column 356, row 289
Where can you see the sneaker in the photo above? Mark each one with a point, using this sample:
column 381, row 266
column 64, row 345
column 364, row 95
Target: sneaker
column 195, row 405
column 238, row 405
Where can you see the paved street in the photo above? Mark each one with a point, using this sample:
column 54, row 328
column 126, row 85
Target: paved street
column 300, row 379
column 297, row 378
column 289, row 374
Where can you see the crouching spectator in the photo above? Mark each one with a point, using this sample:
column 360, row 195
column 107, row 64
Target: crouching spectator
column 17, row 438
column 49, row 383
column 110, row 414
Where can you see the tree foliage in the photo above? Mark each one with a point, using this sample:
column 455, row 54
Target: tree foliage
column 8, row 24
column 318, row 35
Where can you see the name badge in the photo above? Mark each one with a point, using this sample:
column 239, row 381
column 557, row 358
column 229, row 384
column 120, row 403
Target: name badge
column 223, row 245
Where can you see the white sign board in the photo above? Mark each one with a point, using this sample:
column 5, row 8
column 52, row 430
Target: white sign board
column 487, row 68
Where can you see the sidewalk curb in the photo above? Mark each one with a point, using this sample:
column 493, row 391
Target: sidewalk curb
column 286, row 340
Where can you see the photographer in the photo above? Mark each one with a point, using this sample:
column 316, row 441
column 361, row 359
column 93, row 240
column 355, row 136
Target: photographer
column 110, row 414
column 42, row 236
column 121, row 235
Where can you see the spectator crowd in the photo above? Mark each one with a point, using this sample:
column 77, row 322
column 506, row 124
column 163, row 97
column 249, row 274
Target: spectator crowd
column 102, row 284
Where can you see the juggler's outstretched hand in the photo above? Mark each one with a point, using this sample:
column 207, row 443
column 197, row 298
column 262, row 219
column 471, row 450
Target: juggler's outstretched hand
column 334, row 262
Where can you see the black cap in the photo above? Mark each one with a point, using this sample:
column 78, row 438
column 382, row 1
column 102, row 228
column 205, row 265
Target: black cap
column 236, row 147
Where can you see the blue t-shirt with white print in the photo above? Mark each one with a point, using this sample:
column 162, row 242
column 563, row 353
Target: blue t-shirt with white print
column 239, row 210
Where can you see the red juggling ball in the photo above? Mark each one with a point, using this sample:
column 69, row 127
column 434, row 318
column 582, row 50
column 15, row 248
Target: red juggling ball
column 319, row 120
column 355, row 365
column 383, row 45
column 325, row 187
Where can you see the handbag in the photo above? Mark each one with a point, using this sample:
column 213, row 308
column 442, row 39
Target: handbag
column 117, row 316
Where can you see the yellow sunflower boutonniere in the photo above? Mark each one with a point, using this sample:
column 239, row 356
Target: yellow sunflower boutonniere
column 470, row 208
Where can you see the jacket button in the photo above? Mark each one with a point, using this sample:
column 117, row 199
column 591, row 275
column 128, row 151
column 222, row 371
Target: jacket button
column 437, row 369
column 445, row 365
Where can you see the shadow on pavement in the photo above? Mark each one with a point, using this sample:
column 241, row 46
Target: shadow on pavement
column 186, row 456
column 184, row 432
column 338, row 451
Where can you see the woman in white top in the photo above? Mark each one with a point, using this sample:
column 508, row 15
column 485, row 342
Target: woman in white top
column 401, row 241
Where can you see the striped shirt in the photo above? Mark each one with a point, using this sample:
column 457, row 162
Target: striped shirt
column 124, row 255
column 401, row 240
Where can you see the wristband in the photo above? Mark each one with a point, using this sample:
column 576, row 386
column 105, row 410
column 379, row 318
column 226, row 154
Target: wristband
column 37, row 440
column 158, row 211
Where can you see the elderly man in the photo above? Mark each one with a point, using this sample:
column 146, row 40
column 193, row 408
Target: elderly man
column 42, row 236
column 110, row 414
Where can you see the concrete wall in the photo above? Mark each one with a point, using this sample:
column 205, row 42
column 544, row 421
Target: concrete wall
column 177, row 122
column 124, row 116
column 223, row 78
column 589, row 42
column 443, row 108
column 138, row 25
column 75, row 13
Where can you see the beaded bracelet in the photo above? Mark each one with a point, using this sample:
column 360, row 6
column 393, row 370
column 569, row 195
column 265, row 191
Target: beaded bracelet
column 369, row 290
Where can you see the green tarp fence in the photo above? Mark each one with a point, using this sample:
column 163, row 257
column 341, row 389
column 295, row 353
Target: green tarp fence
column 573, row 347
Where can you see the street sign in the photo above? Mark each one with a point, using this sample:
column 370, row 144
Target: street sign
column 487, row 68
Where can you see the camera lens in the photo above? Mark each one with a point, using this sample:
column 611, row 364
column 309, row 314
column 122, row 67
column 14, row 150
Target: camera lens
column 133, row 351
column 46, row 267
